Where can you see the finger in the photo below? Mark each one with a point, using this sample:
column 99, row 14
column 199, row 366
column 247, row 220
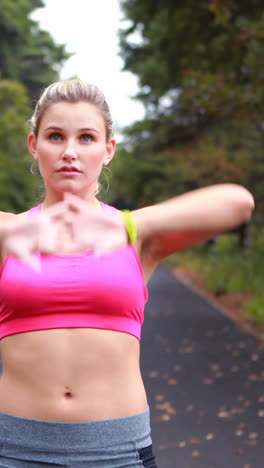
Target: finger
column 56, row 211
column 101, row 248
column 68, row 196
column 71, row 199
column 74, row 205
column 68, row 218
column 47, row 244
column 100, row 251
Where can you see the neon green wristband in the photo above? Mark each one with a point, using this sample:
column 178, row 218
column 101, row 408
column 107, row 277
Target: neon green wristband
column 131, row 226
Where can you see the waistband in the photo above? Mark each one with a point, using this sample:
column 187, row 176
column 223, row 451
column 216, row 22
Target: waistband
column 97, row 434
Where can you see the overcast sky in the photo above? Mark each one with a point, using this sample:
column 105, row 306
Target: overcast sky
column 89, row 28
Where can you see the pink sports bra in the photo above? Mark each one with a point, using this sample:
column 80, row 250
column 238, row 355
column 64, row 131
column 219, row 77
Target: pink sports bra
column 80, row 291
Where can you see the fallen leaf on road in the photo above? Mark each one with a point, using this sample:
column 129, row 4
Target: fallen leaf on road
column 162, row 447
column 242, row 425
column 252, row 443
column 195, row 453
column 172, row 381
column 153, row 374
column 159, row 397
column 215, row 367
column 247, row 403
column 208, row 381
column 241, row 398
column 177, row 368
column 182, row 444
column 164, row 418
column 239, row 451
column 241, row 345
column 224, row 414
column 194, row 442
column 190, row 408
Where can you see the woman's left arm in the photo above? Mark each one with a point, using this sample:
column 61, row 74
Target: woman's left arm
column 192, row 218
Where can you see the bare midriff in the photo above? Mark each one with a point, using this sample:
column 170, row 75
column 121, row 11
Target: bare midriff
column 71, row 375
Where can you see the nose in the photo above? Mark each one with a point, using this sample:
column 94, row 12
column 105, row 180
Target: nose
column 69, row 153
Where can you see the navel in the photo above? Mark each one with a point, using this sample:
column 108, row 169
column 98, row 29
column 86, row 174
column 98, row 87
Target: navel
column 68, row 394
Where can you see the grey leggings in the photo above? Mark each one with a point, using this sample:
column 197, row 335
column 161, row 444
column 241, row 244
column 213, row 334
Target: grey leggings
column 113, row 443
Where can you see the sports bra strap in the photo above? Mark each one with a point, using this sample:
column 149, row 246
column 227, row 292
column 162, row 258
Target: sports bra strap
column 34, row 211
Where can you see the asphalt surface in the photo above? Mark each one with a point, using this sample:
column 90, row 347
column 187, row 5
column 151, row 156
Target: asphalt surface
column 205, row 381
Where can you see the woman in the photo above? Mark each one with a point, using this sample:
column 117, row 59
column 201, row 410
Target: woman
column 73, row 290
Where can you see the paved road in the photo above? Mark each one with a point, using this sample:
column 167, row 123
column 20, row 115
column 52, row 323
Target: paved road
column 205, row 381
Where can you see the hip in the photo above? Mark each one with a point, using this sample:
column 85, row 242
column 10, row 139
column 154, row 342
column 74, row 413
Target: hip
column 120, row 442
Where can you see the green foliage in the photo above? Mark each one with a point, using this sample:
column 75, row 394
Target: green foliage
column 223, row 275
column 226, row 269
column 148, row 171
column 255, row 308
column 16, row 182
column 234, row 269
column 127, row 166
column 200, row 69
column 211, row 52
column 27, row 54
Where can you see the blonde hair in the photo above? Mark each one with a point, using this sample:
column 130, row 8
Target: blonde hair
column 71, row 91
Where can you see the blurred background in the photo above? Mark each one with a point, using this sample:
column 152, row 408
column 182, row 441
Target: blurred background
column 185, row 82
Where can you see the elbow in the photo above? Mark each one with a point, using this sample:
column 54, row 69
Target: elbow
column 245, row 205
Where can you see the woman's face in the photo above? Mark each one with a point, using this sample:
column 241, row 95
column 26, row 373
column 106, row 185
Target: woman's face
column 71, row 149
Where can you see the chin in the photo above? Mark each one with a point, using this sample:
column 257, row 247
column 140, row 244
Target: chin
column 69, row 187
column 73, row 189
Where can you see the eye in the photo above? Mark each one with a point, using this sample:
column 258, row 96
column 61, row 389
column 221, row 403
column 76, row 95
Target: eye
column 55, row 137
column 85, row 137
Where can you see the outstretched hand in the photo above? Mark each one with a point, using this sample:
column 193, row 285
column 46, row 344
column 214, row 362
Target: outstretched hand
column 23, row 237
column 92, row 229
column 69, row 227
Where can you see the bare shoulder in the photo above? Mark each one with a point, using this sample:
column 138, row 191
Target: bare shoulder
column 6, row 217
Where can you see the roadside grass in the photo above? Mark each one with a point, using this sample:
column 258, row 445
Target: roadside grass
column 225, row 268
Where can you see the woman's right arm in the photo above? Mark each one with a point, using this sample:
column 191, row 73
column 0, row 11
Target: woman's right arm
column 5, row 220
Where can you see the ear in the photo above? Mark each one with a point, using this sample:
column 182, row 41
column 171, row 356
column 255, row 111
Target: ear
column 111, row 147
column 32, row 145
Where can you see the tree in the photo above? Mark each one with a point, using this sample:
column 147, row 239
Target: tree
column 27, row 53
column 17, row 184
column 200, row 69
column 197, row 59
column 144, row 171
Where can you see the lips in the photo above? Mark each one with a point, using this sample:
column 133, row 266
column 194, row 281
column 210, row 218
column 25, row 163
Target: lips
column 68, row 169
